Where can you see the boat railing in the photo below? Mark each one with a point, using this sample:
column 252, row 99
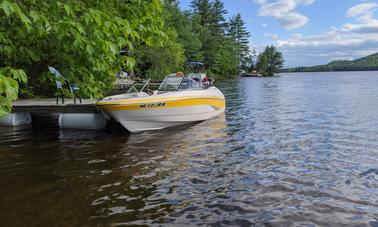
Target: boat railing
column 143, row 86
column 146, row 85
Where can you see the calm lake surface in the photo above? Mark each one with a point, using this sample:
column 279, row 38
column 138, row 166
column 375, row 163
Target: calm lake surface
column 298, row 149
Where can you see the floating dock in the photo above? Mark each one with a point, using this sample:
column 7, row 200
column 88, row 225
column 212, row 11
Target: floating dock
column 83, row 115
column 73, row 115
column 50, row 106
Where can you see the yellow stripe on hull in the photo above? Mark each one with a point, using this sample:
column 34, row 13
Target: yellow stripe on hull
column 160, row 103
column 160, row 99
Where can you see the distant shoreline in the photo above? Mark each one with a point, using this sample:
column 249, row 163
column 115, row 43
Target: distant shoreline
column 374, row 70
column 368, row 63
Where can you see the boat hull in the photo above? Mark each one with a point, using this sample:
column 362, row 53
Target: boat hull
column 144, row 120
column 167, row 110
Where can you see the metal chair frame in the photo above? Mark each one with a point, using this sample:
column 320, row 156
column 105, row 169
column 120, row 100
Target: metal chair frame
column 59, row 81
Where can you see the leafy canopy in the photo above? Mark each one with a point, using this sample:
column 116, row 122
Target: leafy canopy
column 80, row 38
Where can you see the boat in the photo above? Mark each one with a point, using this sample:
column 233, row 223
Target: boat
column 253, row 73
column 177, row 101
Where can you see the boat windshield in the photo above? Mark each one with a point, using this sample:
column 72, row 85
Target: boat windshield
column 171, row 83
column 196, row 76
column 174, row 83
column 189, row 83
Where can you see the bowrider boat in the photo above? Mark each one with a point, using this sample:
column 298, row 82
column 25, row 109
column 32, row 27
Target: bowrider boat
column 178, row 100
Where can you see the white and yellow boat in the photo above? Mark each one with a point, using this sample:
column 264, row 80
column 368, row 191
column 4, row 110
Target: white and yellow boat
column 179, row 100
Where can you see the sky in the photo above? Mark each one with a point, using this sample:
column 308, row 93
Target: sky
column 310, row 32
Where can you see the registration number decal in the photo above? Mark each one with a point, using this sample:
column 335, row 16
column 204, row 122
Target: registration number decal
column 153, row 105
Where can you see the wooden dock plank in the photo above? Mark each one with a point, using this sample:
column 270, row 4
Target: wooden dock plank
column 50, row 106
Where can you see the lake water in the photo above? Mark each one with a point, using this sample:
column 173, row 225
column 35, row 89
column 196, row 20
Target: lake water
column 298, row 149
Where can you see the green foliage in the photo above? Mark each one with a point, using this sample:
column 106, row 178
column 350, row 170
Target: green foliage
column 9, row 79
column 184, row 25
column 202, row 8
column 198, row 35
column 368, row 63
column 262, row 64
column 238, row 33
column 270, row 61
column 226, row 64
column 222, row 52
column 188, row 37
column 80, row 38
column 169, row 55
column 205, row 23
column 218, row 20
column 225, row 45
column 160, row 61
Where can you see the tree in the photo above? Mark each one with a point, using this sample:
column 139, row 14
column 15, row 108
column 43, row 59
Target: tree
column 253, row 59
column 226, row 64
column 202, row 9
column 202, row 18
column 210, row 18
column 238, row 33
column 262, row 64
column 185, row 26
column 270, row 61
column 80, row 38
column 157, row 62
column 218, row 20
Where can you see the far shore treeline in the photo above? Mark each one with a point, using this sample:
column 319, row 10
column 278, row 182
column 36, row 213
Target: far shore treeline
column 82, row 39
column 368, row 63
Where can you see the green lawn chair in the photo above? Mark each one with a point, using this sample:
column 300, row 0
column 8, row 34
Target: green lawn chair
column 59, row 81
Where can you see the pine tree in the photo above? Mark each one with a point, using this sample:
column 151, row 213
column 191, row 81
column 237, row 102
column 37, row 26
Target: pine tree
column 210, row 18
column 219, row 37
column 182, row 22
column 202, row 9
column 218, row 17
column 238, row 33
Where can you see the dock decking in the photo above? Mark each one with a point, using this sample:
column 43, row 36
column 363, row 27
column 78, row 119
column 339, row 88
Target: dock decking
column 49, row 106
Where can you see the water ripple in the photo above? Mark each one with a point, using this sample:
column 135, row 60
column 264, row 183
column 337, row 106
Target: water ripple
column 298, row 150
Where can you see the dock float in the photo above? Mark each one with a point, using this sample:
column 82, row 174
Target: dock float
column 83, row 115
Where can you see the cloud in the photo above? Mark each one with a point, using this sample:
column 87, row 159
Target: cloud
column 297, row 36
column 272, row 36
column 350, row 41
column 372, row 27
column 363, row 12
column 364, row 15
column 328, row 46
column 261, row 2
column 284, row 12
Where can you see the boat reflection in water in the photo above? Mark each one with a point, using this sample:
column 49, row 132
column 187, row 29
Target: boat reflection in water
column 148, row 167
column 189, row 133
